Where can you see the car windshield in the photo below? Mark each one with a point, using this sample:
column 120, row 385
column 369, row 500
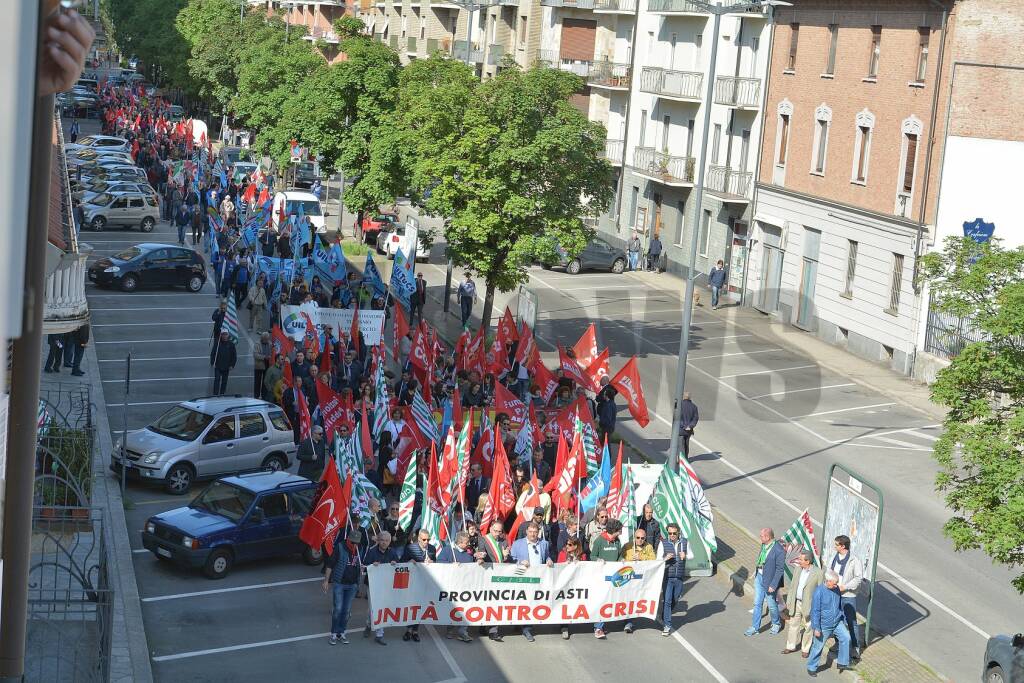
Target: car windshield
column 179, row 422
column 101, row 199
column 127, row 255
column 221, row 498
column 86, row 141
column 310, row 207
column 102, row 186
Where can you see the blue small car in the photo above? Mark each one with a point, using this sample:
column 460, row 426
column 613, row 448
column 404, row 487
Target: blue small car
column 1004, row 659
column 235, row 519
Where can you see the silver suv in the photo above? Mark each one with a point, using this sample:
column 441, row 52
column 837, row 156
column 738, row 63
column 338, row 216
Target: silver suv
column 207, row 437
column 127, row 209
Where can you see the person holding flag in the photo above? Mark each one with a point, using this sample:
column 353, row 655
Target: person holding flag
column 223, row 357
column 341, row 576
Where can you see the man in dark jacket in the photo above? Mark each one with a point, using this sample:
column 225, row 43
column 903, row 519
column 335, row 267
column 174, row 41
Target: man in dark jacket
column 218, row 318
column 688, row 419
column 648, row 523
column 606, row 409
column 223, row 357
column 80, row 339
column 342, row 578
column 673, row 550
column 767, row 582
column 312, row 454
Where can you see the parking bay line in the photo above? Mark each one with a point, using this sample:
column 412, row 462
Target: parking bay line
column 246, row 646
column 797, row 391
column 121, row 404
column 843, row 410
column 216, row 591
column 136, row 360
column 768, row 372
column 154, row 341
column 737, row 353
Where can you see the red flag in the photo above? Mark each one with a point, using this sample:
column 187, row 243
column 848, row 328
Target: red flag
column 330, row 511
column 401, row 328
column 501, row 498
column 484, row 453
column 617, row 496
column 545, row 379
column 564, row 422
column 305, row 421
column 311, row 339
column 506, row 402
column 286, row 375
column 264, row 196
column 461, row 343
column 497, row 358
column 457, row 407
column 597, row 369
column 570, row 368
column 527, row 353
column 627, row 381
column 353, row 332
column 280, row 342
column 447, row 470
column 560, row 457
column 325, row 358
column 473, row 356
column 586, row 348
column 250, row 193
column 348, row 411
column 419, row 356
column 532, row 501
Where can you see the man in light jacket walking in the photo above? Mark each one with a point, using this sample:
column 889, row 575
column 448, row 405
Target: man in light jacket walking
column 767, row 581
column 827, row 621
column 798, row 605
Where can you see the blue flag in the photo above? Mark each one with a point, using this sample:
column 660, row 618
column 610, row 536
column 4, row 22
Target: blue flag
column 402, row 279
column 598, row 484
column 371, row 276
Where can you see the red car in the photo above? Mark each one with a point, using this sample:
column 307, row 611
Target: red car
column 372, row 224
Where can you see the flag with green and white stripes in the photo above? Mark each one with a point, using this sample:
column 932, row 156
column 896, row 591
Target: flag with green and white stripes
column 628, row 513
column 407, row 497
column 230, row 324
column 667, row 500
column 697, row 504
column 799, row 537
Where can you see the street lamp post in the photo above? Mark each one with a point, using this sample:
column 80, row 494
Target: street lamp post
column 716, row 10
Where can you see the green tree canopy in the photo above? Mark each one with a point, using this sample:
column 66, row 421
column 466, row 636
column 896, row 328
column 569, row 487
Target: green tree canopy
column 146, row 29
column 981, row 451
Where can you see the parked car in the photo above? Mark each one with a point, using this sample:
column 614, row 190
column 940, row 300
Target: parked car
column 205, row 438
column 306, row 172
column 597, row 255
column 150, row 265
column 107, row 142
column 86, row 177
column 94, row 189
column 92, row 158
column 235, row 519
column 126, row 210
column 392, row 237
column 1004, row 659
column 291, row 200
column 243, row 169
column 372, row 224
column 177, row 112
column 229, row 154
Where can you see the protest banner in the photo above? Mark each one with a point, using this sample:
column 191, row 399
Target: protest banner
column 339, row 320
column 511, row 594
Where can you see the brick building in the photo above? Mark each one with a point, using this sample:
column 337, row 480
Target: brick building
column 312, row 20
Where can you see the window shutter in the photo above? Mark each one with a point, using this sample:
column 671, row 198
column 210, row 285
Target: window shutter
column 578, row 37
column 908, row 165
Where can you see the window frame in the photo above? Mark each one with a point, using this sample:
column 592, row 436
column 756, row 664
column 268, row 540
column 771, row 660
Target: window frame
column 860, row 172
column 924, row 34
column 833, row 46
column 794, row 44
column 704, row 236
column 821, row 135
column 895, row 284
column 875, row 55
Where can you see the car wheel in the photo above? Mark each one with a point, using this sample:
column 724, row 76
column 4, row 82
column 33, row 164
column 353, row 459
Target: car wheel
column 619, row 266
column 179, row 480
column 377, row 247
column 312, row 556
column 130, row 282
column 147, row 224
column 273, row 463
column 98, row 223
column 995, row 675
column 218, row 564
column 194, row 284
column 574, row 267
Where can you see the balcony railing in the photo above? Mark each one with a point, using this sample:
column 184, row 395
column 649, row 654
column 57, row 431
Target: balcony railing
column 683, row 85
column 494, row 54
column 324, row 34
column 727, row 181
column 410, row 46
column 605, row 74
column 615, row 5
column 688, row 7
column 613, row 150
column 432, row 46
column 569, row 4
column 464, row 52
column 671, row 170
column 738, row 92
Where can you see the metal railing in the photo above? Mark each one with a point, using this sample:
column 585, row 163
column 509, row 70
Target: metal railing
column 569, row 4
column 325, row 34
column 463, row 52
column 615, row 5
column 671, row 169
column 674, row 6
column 609, row 74
column 946, row 335
column 671, row 83
column 725, row 180
column 738, row 92
column 494, row 54
column 613, row 150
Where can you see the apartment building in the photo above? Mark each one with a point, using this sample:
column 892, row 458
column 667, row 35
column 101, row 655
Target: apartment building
column 312, row 21
column 647, row 67
column 847, row 187
column 482, row 34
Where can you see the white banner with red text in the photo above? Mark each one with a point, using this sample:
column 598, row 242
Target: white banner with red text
column 509, row 594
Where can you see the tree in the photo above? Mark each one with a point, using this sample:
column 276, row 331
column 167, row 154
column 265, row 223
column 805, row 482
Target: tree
column 146, row 29
column 349, row 27
column 981, row 451
column 511, row 163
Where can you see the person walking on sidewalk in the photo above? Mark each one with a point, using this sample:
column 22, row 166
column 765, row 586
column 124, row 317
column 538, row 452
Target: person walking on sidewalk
column 56, row 343
column 222, row 358
column 767, row 582
column 673, row 550
column 417, row 300
column 341, row 576
column 467, row 294
column 633, row 251
column 80, row 339
column 827, row 621
column 654, row 250
column 798, row 605
column 850, row 575
column 717, row 279
column 183, row 219
column 689, row 416
column 261, row 353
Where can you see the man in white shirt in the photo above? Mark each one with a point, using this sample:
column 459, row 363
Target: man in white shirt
column 851, row 573
column 798, row 604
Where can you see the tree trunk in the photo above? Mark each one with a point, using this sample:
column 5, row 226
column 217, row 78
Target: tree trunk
column 485, row 317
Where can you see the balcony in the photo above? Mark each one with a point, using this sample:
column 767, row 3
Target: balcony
column 552, row 59
column 494, row 54
column 613, row 150
column 675, row 7
column 730, row 186
column 663, row 168
column 614, row 6
column 569, row 4
column 684, row 86
column 324, row 34
column 740, row 93
column 466, row 53
column 609, row 75
column 410, row 46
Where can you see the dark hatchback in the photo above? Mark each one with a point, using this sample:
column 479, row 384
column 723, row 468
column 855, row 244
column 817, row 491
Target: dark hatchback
column 597, row 255
column 150, row 265
column 235, row 519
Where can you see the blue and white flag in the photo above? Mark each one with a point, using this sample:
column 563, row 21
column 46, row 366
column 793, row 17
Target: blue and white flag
column 371, row 276
column 403, row 282
column 300, row 236
column 598, row 484
column 329, row 264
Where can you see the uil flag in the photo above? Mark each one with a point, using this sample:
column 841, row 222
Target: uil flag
column 305, row 422
column 501, row 498
column 800, row 537
column 407, row 499
column 627, row 381
column 329, row 513
column 586, row 348
column 506, row 402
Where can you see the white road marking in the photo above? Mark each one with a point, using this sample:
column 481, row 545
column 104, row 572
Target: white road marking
column 139, row 551
column 155, row 341
column 139, row 360
column 197, row 322
column 797, row 391
column 728, row 336
column 167, row 379
column 700, row 658
column 912, row 430
column 766, row 372
column 923, row 435
column 216, row 591
column 446, row 654
column 844, row 410
column 148, row 308
column 897, row 442
column 737, row 353
column 246, row 646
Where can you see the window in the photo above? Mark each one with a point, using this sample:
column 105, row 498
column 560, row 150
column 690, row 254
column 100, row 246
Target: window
column 716, row 142
column 705, row 234
column 862, row 150
column 876, row 51
column 911, row 129
column 665, row 125
column 689, row 138
column 833, row 43
column 681, row 208
column 783, row 139
column 924, row 34
column 643, row 127
column 897, row 284
column 120, row 204
column 280, row 422
column 794, row 38
column 634, row 200
column 274, row 505
column 522, row 30
column 251, row 424
column 851, row 267
column 222, row 430
column 823, row 120
column 300, row 501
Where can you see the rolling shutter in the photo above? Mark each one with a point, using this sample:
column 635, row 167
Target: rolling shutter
column 578, row 37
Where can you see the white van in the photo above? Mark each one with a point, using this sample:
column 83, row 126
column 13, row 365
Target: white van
column 291, row 200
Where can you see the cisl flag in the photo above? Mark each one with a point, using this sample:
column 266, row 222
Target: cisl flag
column 627, row 381
column 330, row 511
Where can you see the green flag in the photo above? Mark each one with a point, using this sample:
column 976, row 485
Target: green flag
column 667, row 500
column 628, row 514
